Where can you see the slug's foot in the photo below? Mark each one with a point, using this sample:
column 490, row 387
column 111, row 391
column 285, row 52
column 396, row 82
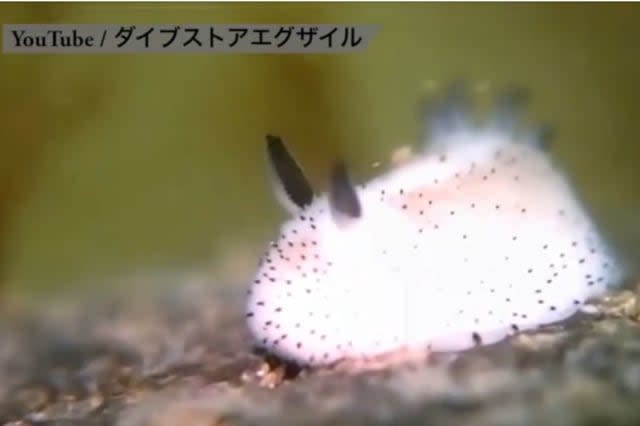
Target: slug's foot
column 405, row 357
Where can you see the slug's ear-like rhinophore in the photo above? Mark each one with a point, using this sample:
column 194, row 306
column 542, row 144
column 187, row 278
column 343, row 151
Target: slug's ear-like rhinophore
column 291, row 185
column 343, row 199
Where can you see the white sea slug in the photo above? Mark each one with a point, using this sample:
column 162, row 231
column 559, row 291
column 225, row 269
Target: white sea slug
column 475, row 238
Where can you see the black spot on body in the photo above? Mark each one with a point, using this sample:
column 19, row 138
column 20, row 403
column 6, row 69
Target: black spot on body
column 477, row 339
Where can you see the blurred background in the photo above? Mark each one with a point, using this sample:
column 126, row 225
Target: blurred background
column 119, row 164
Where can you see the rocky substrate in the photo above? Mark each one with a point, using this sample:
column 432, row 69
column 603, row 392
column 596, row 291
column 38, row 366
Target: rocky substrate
column 176, row 352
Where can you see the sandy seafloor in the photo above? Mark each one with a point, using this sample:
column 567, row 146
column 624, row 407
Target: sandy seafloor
column 175, row 351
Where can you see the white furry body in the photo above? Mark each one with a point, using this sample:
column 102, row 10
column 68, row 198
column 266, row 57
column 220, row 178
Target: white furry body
column 474, row 239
